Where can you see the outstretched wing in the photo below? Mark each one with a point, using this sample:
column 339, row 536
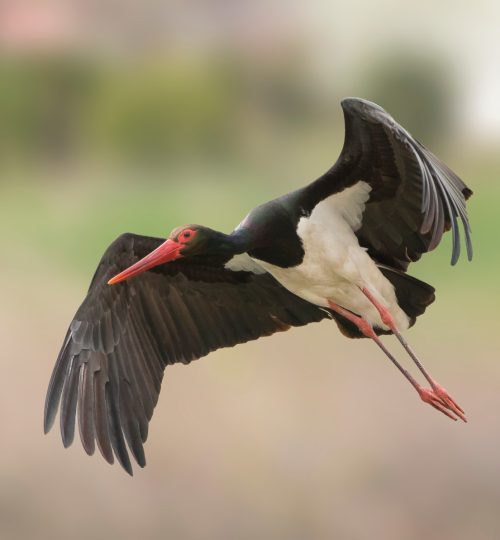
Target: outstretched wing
column 110, row 367
column 414, row 197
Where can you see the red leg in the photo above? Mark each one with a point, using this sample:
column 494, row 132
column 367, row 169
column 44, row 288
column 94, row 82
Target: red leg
column 437, row 389
column 366, row 329
column 427, row 395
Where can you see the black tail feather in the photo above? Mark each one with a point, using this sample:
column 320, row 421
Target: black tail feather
column 413, row 298
column 413, row 295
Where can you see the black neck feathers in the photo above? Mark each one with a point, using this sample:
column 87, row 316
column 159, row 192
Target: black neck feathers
column 269, row 233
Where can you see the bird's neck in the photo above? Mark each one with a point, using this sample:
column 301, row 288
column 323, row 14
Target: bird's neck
column 239, row 241
column 228, row 244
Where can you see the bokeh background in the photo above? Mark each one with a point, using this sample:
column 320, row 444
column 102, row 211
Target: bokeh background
column 139, row 116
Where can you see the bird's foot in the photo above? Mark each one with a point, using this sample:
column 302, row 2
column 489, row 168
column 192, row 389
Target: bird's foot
column 439, row 398
column 450, row 403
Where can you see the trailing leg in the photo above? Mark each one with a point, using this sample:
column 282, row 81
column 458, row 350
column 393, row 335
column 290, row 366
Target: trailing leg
column 427, row 395
column 438, row 390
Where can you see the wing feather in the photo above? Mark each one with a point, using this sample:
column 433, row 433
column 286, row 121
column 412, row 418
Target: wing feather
column 108, row 374
column 414, row 197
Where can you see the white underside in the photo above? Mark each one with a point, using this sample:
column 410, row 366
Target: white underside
column 335, row 266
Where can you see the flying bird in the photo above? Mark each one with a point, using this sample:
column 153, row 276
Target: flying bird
column 338, row 248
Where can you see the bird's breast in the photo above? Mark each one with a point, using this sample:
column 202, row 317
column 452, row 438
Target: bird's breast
column 335, row 267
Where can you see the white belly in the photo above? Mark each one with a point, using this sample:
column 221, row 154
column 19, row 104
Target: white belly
column 335, row 267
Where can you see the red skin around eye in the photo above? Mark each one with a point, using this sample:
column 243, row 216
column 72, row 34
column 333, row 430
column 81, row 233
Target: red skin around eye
column 191, row 234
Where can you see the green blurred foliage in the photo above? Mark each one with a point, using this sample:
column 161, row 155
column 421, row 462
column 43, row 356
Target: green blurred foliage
column 156, row 112
column 42, row 106
column 147, row 145
column 417, row 89
column 150, row 113
column 147, row 113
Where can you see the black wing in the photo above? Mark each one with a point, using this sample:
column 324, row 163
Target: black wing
column 110, row 367
column 414, row 197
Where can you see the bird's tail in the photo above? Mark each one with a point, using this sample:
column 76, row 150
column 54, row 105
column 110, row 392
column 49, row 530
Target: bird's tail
column 413, row 295
column 413, row 298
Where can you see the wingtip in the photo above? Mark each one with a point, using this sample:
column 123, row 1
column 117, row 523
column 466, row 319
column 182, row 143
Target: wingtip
column 468, row 245
column 359, row 104
column 125, row 464
column 67, row 439
column 128, row 469
column 467, row 192
column 48, row 422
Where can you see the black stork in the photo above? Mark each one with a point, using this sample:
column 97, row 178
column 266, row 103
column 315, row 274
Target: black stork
column 338, row 248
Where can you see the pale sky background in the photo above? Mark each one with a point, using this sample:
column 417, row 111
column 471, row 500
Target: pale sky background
column 467, row 33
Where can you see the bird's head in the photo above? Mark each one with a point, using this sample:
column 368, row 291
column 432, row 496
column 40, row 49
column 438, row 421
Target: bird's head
column 184, row 241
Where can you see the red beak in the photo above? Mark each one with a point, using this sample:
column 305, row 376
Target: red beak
column 168, row 251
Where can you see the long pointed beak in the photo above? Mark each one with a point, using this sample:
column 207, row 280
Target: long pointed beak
column 168, row 251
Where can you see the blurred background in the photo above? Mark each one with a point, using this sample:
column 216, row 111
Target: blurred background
column 139, row 116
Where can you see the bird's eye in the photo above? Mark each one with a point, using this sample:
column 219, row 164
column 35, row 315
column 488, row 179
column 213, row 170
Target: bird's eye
column 186, row 235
